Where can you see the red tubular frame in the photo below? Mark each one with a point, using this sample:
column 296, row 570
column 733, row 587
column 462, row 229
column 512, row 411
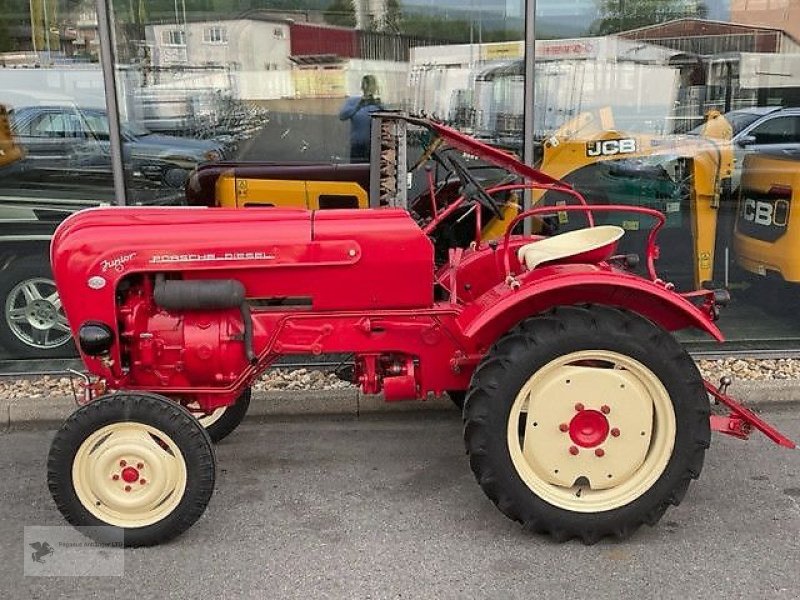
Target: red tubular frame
column 652, row 248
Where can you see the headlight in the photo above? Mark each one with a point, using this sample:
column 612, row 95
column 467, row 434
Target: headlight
column 213, row 155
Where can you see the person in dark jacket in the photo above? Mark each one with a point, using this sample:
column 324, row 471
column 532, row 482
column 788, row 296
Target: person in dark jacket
column 358, row 110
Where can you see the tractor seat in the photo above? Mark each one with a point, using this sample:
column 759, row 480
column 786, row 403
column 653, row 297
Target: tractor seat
column 593, row 244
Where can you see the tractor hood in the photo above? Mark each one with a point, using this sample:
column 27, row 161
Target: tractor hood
column 331, row 260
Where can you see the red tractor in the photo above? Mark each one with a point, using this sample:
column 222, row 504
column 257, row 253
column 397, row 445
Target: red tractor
column 584, row 417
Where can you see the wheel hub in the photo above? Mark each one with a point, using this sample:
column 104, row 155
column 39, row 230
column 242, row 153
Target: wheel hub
column 34, row 315
column 586, row 427
column 589, row 428
column 41, row 314
column 129, row 474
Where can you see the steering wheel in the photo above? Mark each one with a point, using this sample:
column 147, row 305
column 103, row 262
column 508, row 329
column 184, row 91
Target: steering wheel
column 472, row 189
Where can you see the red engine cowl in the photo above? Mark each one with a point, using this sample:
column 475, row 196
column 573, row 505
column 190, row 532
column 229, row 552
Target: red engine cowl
column 181, row 349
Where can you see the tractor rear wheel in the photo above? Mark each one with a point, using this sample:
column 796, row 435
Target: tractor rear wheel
column 135, row 462
column 220, row 423
column 586, row 422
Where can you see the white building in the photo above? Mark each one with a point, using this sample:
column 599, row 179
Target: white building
column 252, row 44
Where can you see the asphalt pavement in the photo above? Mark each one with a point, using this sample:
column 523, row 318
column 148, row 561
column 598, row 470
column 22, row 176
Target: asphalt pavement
column 386, row 507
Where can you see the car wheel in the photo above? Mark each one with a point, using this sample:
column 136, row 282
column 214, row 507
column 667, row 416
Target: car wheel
column 34, row 324
column 176, row 177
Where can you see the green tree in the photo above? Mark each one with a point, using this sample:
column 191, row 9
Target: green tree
column 340, row 12
column 392, row 20
column 622, row 15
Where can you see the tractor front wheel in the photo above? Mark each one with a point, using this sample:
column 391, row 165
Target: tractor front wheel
column 134, row 462
column 221, row 422
column 586, row 422
column 457, row 397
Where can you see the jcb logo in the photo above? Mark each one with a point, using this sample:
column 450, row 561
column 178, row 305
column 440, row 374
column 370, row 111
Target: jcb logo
column 611, row 147
column 765, row 213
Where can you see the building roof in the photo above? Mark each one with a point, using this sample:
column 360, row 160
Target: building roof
column 705, row 27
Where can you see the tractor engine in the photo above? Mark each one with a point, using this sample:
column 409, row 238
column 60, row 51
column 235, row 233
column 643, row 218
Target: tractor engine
column 178, row 333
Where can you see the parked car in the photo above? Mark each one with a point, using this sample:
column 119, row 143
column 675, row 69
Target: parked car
column 32, row 323
column 770, row 129
column 76, row 140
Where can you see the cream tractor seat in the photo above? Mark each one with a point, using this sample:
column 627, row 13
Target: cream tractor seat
column 572, row 243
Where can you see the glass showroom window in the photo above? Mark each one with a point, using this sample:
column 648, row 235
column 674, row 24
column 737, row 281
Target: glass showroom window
column 51, row 164
column 690, row 110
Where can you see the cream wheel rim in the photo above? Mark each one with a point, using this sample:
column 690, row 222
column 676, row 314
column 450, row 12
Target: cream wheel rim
column 591, row 431
column 206, row 419
column 129, row 474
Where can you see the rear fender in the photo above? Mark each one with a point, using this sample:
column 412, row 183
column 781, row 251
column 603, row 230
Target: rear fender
column 499, row 309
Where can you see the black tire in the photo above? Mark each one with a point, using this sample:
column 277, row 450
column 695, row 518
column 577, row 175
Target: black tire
column 29, row 336
column 457, row 397
column 176, row 177
column 140, row 408
column 230, row 419
column 535, row 343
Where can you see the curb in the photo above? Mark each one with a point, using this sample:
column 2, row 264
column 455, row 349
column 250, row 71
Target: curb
column 350, row 403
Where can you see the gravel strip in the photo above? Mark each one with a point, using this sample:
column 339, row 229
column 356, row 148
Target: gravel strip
column 274, row 379
column 751, row 369
column 310, row 379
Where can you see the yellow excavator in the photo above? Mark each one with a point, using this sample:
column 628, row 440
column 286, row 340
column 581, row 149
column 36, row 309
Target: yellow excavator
column 680, row 175
column 766, row 237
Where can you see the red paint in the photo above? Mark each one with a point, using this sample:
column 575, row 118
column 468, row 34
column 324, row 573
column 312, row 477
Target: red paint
column 129, row 474
column 589, row 428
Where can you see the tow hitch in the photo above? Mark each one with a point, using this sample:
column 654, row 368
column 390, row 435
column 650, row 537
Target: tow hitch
column 740, row 421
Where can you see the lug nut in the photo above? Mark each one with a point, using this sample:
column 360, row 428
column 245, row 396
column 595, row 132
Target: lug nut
column 605, row 409
column 140, row 465
column 563, row 427
column 573, row 450
column 599, row 452
column 115, row 477
column 579, row 407
column 127, row 488
column 615, row 432
column 122, row 463
column 142, row 481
